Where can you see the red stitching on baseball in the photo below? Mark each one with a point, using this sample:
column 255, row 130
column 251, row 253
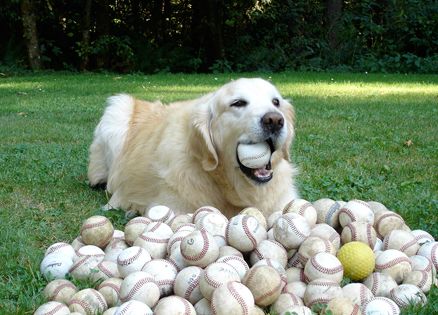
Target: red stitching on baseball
column 383, row 216
column 369, row 238
column 56, row 309
column 137, row 287
column 392, row 263
column 192, row 286
column 129, row 260
column 111, row 285
column 433, row 255
column 304, row 207
column 375, row 282
column 105, row 271
column 353, row 231
column 53, row 248
column 408, row 244
column 60, row 287
column 101, row 299
column 139, row 220
column 270, row 292
column 287, row 206
column 78, row 263
column 93, row 225
column 247, row 232
column 238, row 298
column 82, row 304
column 347, row 213
column 205, row 247
column 154, row 239
column 293, row 227
column 320, row 268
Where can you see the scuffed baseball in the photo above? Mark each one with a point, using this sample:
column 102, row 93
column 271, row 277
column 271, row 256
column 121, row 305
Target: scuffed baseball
column 355, row 210
column 393, row 263
column 110, row 290
column 140, row 286
column 343, row 306
column 290, row 230
column 357, row 293
column 303, row 208
column 269, row 249
column 359, row 231
column 267, row 293
column 133, row 307
column 59, row 290
column 160, row 213
column 381, row 305
column 324, row 265
column 55, row 266
column 401, row 240
column 97, row 230
column 386, row 221
column 199, row 248
column 134, row 228
column 61, row 248
column 186, row 284
column 254, row 155
column 321, row 291
column 131, row 260
column 406, row 294
column 244, row 233
column 237, row 262
column 164, row 273
column 326, row 232
column 328, row 211
column 284, row 302
column 380, row 284
column 88, row 301
column 257, row 214
column 52, row 308
column 215, row 275
column 232, row 298
column 174, row 305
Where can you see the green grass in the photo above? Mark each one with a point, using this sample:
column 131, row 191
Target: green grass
column 353, row 135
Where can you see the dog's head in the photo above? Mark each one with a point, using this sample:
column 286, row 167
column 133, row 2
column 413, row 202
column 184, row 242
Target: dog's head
column 245, row 111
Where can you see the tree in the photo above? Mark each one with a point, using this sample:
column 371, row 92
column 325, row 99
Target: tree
column 334, row 14
column 30, row 34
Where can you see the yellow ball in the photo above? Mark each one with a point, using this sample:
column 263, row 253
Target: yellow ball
column 358, row 260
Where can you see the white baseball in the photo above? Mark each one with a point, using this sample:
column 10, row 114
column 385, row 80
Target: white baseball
column 187, row 284
column 237, row 262
column 61, row 248
column 380, row 284
column 84, row 265
column 321, row 291
column 295, row 274
column 290, row 230
column 358, row 293
column 110, row 311
column 154, row 243
column 343, row 305
column 200, row 212
column 77, row 243
column 140, row 286
column 304, row 208
column 401, row 240
column 131, row 260
column 104, row 270
column 386, row 221
column 216, row 275
column 52, row 308
column 327, row 211
column 394, row 263
column 273, row 217
column 406, row 294
column 164, row 273
column 232, row 298
column 160, row 213
column 176, row 259
column 110, row 289
column 355, row 210
column 381, row 305
column 199, row 248
column 359, row 231
column 59, row 290
column 422, row 236
column 134, row 228
column 296, row 287
column 87, row 301
column 312, row 246
column 326, row 232
column 55, row 266
column 254, row 155
column 90, row 250
column 267, row 293
column 215, row 224
column 257, row 214
column 114, row 248
column 202, row 307
column 269, row 249
column 422, row 263
column 421, row 279
column 430, row 250
column 286, row 301
column 228, row 251
column 244, row 232
column 324, row 265
column 133, row 307
column 97, row 230
column 174, row 305
column 180, row 220
column 277, row 266
column 377, row 207
column 175, row 240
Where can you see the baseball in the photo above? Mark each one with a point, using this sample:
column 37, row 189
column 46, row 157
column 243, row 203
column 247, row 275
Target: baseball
column 326, row 232
column 160, row 214
column 133, row 307
column 232, row 298
column 77, row 243
column 55, row 266
column 394, row 263
column 131, row 260
column 312, row 246
column 321, row 291
column 84, row 264
column 303, row 208
column 290, row 230
column 164, row 273
column 284, row 302
column 381, row 305
column 215, row 224
column 355, row 210
column 277, row 266
column 327, row 211
column 296, row 287
column 203, row 307
column 59, row 290
column 430, row 250
column 176, row 259
column 273, row 218
column 298, row 309
column 154, row 243
column 186, row 284
column 229, row 251
column 113, row 249
column 140, row 286
column 52, row 308
column 380, row 284
column 62, row 249
column 359, row 231
column 267, row 293
column 421, row 279
column 256, row 213
column 200, row 212
column 179, row 220
column 97, row 230
column 269, row 249
column 104, row 270
column 216, row 275
column 87, row 301
column 110, row 289
column 377, row 207
column 422, row 236
column 358, row 293
column 175, row 240
column 324, row 265
column 244, row 232
column 174, row 305
column 343, row 306
column 237, row 262
column 406, row 294
column 401, row 240
column 422, row 263
column 386, row 221
column 295, row 274
column 255, row 155
column 134, row 228
column 199, row 248
column 358, row 261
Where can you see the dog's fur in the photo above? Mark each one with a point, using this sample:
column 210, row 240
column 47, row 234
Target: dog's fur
column 183, row 155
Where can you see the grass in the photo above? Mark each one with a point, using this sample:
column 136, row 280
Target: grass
column 371, row 137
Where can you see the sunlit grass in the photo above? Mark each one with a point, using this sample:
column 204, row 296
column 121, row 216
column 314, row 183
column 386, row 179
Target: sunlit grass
column 365, row 136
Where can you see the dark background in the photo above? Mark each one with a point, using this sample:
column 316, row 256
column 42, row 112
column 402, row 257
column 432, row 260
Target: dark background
column 219, row 35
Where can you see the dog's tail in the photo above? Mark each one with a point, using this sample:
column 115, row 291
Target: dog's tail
column 109, row 138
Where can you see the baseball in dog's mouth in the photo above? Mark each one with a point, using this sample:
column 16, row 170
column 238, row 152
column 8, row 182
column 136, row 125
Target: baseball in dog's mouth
column 262, row 174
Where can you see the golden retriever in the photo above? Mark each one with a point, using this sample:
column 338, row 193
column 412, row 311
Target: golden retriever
column 184, row 155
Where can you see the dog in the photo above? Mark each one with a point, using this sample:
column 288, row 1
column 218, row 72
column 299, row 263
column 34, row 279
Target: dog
column 184, row 154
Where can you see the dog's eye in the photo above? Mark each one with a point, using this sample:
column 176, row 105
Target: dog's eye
column 276, row 102
column 239, row 103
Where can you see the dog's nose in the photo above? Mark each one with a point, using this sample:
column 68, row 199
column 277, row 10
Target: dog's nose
column 272, row 121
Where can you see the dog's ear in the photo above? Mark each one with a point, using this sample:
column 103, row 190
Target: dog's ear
column 290, row 120
column 201, row 121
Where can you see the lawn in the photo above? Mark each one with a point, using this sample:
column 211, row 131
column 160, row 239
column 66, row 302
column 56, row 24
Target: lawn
column 364, row 136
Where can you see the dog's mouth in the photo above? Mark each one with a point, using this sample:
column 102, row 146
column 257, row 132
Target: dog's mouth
column 261, row 174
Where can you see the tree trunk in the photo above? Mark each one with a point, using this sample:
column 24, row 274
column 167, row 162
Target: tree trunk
column 30, row 34
column 334, row 14
column 85, row 44
column 103, row 27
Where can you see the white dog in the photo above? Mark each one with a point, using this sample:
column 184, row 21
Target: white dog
column 184, row 155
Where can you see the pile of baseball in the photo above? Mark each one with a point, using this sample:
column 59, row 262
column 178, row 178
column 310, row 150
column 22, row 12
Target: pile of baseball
column 351, row 257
